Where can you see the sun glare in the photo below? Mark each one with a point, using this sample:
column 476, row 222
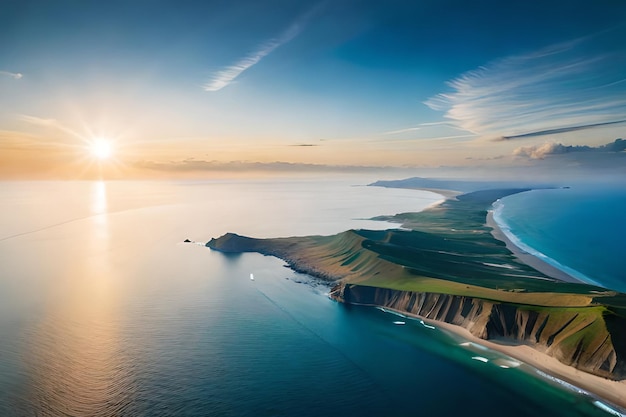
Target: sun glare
column 101, row 149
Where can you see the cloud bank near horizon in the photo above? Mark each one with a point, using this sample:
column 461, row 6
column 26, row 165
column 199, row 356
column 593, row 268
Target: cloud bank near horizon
column 547, row 149
column 553, row 90
column 195, row 165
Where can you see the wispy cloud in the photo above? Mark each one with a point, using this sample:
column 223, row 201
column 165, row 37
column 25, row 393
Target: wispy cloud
column 435, row 124
column 400, row 131
column 226, row 76
column 558, row 88
column 563, row 130
column 50, row 123
column 424, row 139
column 443, row 124
column 547, row 149
column 13, row 140
column 14, row 75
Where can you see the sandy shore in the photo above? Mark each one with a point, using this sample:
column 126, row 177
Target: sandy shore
column 612, row 393
column 527, row 258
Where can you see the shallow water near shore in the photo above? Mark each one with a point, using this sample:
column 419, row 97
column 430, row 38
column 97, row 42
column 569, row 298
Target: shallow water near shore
column 104, row 311
column 580, row 230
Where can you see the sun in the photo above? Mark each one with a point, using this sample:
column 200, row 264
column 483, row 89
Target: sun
column 101, row 148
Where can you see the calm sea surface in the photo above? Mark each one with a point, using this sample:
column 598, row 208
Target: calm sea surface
column 581, row 230
column 104, row 312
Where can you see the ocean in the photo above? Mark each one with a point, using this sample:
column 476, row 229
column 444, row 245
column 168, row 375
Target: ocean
column 104, row 311
column 580, row 230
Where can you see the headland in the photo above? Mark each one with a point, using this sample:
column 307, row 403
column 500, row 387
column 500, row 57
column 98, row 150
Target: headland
column 448, row 265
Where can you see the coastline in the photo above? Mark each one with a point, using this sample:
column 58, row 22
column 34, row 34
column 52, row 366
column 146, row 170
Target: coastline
column 611, row 393
column 603, row 392
column 527, row 258
column 444, row 193
column 601, row 389
column 608, row 392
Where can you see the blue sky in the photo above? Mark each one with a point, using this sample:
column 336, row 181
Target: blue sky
column 367, row 83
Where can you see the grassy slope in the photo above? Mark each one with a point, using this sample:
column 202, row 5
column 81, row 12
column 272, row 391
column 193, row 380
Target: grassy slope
column 449, row 250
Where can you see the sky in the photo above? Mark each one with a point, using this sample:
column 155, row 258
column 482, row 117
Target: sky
column 205, row 88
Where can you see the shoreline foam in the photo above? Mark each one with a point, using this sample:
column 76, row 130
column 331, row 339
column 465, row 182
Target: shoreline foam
column 528, row 258
column 610, row 393
column 596, row 387
column 520, row 249
column 606, row 392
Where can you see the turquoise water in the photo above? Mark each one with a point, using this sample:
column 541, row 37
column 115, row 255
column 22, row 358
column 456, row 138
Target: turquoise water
column 581, row 230
column 104, row 312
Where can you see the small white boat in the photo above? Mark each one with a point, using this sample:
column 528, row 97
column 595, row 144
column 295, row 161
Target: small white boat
column 400, row 323
column 251, row 277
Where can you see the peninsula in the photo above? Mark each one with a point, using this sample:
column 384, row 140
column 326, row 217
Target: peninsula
column 445, row 265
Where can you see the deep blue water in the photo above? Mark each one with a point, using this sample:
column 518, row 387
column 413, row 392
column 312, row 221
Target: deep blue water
column 105, row 312
column 581, row 230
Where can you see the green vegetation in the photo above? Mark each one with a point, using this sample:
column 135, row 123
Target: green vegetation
column 448, row 249
column 446, row 265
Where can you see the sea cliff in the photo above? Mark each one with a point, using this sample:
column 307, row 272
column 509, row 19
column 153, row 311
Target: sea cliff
column 448, row 267
column 579, row 337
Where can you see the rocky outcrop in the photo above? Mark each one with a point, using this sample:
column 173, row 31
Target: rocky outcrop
column 581, row 337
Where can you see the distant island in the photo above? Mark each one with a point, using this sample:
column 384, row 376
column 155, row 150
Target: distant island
column 446, row 265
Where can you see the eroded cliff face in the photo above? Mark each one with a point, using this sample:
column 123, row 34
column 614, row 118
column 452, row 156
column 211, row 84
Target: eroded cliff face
column 579, row 337
column 451, row 269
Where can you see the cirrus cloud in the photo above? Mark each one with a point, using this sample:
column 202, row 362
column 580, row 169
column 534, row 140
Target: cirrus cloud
column 556, row 89
column 226, row 76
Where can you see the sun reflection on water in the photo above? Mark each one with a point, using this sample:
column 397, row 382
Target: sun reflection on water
column 99, row 208
column 75, row 359
column 98, row 197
